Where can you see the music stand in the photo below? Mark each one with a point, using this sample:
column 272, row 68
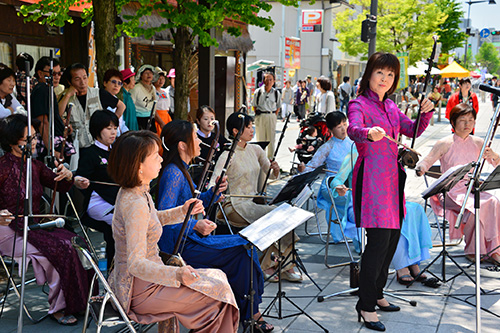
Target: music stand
column 442, row 186
column 262, row 144
column 296, row 192
column 267, row 230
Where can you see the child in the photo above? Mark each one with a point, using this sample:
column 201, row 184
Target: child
column 309, row 142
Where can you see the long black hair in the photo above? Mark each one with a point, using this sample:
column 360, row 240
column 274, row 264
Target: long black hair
column 172, row 133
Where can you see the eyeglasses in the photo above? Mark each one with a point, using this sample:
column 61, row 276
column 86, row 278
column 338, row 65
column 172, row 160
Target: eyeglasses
column 53, row 73
column 119, row 83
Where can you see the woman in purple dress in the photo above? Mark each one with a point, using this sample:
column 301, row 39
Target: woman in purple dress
column 379, row 178
column 50, row 251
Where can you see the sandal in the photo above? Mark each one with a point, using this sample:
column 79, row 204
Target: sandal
column 65, row 320
column 271, row 277
column 401, row 279
column 261, row 326
column 431, row 282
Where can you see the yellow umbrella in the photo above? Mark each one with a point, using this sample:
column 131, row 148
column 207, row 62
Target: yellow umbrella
column 454, row 70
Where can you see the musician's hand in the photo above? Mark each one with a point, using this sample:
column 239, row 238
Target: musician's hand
column 223, row 185
column 376, row 133
column 419, row 172
column 221, row 198
column 81, row 182
column 427, row 105
column 187, row 275
column 5, row 217
column 62, row 172
column 341, row 190
column 301, row 167
column 205, row 227
column 197, row 209
column 276, row 168
column 490, row 154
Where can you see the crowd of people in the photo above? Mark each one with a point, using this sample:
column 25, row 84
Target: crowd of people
column 125, row 138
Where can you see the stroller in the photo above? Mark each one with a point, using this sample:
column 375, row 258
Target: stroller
column 303, row 154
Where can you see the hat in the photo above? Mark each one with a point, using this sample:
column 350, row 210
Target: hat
column 309, row 76
column 159, row 71
column 127, row 73
column 142, row 69
column 171, row 73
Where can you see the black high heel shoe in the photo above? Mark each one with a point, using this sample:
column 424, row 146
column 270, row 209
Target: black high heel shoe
column 389, row 308
column 371, row 325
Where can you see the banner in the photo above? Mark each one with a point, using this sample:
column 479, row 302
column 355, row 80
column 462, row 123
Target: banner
column 403, row 74
column 92, row 67
column 292, row 52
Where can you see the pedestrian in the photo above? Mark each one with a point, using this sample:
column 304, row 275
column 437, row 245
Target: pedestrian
column 287, row 100
column 325, row 103
column 129, row 116
column 301, row 97
column 144, row 95
column 345, row 91
column 266, row 103
column 162, row 115
column 310, row 87
column 463, row 95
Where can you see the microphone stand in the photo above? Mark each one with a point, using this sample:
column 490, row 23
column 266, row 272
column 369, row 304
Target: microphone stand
column 474, row 187
column 28, row 201
column 50, row 160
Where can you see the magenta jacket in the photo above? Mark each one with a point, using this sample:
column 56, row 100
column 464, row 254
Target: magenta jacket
column 378, row 178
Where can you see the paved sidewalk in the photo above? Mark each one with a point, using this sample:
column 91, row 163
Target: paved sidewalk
column 449, row 308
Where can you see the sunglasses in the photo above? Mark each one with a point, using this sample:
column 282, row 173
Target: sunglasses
column 119, row 83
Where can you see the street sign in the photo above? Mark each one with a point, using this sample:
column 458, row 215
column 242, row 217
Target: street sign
column 312, row 20
column 484, row 33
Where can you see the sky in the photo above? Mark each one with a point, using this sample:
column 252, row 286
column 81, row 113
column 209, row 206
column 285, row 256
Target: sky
column 483, row 15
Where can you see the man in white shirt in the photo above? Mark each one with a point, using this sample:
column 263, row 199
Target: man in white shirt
column 345, row 90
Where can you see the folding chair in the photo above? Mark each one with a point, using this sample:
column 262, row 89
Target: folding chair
column 102, row 312
column 337, row 221
column 435, row 172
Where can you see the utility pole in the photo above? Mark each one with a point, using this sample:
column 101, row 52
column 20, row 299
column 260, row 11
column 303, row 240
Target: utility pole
column 373, row 32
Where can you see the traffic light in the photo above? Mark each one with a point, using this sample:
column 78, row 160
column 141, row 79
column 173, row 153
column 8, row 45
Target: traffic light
column 367, row 28
column 495, row 32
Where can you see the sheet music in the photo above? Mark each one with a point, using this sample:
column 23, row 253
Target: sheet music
column 445, row 179
column 303, row 196
column 274, row 225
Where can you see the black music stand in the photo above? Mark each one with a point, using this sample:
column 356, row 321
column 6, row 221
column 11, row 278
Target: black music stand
column 262, row 144
column 262, row 234
column 442, row 186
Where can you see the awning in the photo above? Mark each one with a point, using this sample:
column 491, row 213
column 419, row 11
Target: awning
column 259, row 64
column 79, row 7
column 454, row 70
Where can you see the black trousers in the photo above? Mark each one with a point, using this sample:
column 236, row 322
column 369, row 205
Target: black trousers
column 380, row 247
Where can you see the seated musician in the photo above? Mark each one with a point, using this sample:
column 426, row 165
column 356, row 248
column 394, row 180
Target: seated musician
column 50, row 251
column 149, row 291
column 414, row 241
column 93, row 162
column 462, row 148
column 332, row 153
column 225, row 252
column 245, row 175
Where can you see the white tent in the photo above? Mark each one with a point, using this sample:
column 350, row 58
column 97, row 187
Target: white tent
column 420, row 68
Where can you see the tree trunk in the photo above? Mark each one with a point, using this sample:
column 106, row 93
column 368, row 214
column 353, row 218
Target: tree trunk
column 104, row 34
column 182, row 55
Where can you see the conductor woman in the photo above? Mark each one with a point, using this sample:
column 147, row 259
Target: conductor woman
column 379, row 178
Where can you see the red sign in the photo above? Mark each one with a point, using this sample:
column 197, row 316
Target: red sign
column 292, row 52
column 312, row 20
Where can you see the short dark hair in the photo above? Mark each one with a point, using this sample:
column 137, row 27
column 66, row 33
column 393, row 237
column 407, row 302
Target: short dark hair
column 324, row 83
column 202, row 109
column 464, row 80
column 5, row 72
column 44, row 62
column 100, row 120
column 269, row 73
column 380, row 60
column 346, row 78
column 127, row 80
column 234, row 122
column 333, row 119
column 129, row 151
column 12, row 130
column 110, row 73
column 21, row 61
column 310, row 130
column 68, row 73
column 461, row 110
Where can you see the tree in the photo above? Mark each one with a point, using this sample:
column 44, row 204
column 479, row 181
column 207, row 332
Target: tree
column 450, row 35
column 103, row 12
column 402, row 26
column 488, row 57
column 186, row 20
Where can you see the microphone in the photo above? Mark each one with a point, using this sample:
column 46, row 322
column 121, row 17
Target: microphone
column 490, row 89
column 70, row 106
column 57, row 223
